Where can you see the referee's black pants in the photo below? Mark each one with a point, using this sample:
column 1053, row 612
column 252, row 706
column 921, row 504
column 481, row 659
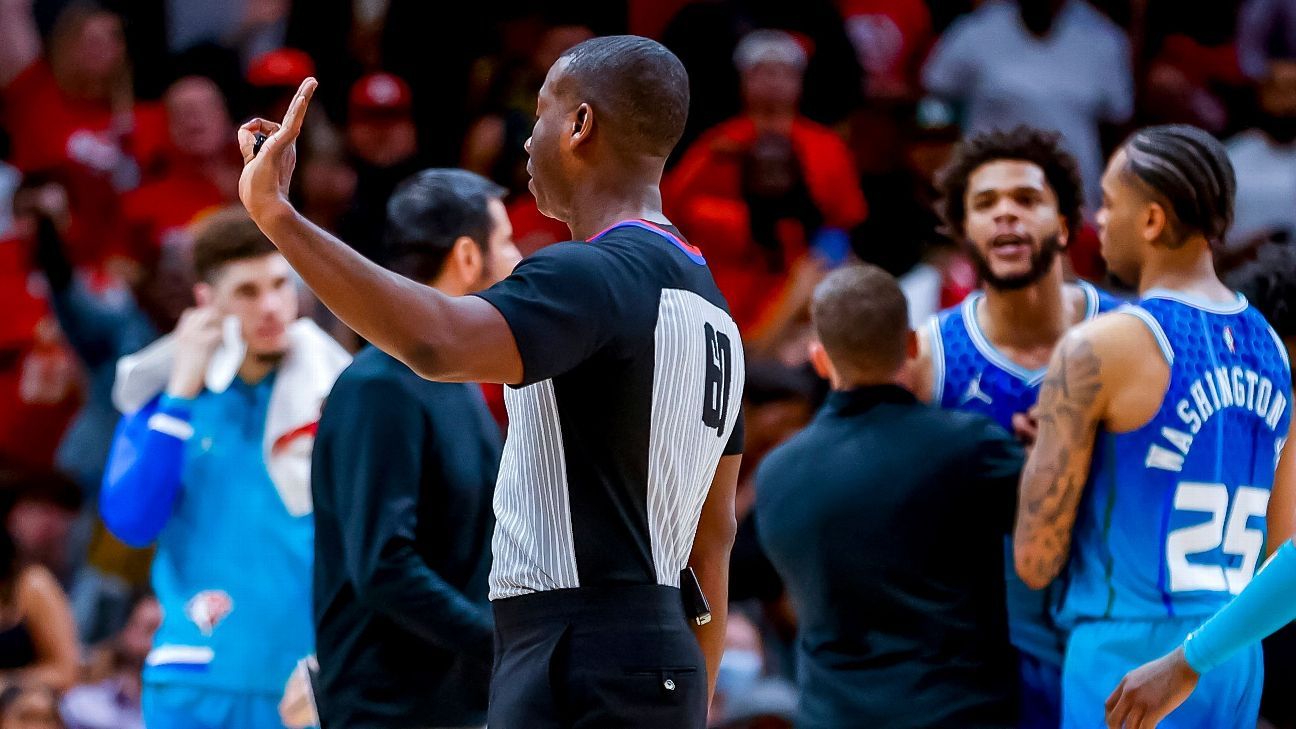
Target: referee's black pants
column 597, row 658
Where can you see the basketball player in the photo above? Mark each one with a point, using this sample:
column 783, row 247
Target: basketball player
column 1269, row 602
column 1014, row 198
column 1159, row 430
column 623, row 448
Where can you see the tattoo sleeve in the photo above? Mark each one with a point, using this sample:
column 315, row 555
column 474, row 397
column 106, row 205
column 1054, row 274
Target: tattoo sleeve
column 1054, row 477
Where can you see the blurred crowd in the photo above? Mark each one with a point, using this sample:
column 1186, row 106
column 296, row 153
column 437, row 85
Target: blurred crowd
column 814, row 135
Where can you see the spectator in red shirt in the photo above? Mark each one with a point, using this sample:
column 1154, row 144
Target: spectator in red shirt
column 382, row 143
column 70, row 112
column 757, row 190
column 39, row 378
column 199, row 174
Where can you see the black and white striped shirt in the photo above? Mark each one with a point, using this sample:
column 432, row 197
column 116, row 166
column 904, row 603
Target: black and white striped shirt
column 631, row 393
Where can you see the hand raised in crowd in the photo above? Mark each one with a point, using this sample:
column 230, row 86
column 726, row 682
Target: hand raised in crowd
column 267, row 173
column 198, row 334
column 1148, row 693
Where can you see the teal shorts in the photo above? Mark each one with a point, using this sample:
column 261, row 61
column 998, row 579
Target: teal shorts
column 170, row 706
column 1100, row 653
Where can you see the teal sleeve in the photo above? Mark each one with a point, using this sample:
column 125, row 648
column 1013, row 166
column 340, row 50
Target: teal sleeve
column 1267, row 604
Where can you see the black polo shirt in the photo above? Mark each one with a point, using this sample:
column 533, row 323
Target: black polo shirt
column 632, row 382
column 403, row 474
column 886, row 519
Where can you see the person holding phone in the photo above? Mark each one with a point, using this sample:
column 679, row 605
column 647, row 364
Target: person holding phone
column 212, row 462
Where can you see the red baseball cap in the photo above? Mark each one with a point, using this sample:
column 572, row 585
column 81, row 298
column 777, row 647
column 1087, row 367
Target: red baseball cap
column 380, row 94
column 281, row 67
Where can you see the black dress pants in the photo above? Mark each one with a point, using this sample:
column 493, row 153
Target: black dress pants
column 597, row 658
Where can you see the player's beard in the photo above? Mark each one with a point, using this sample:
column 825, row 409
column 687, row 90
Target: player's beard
column 1041, row 263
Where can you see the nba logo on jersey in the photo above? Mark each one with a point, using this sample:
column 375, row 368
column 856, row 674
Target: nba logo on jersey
column 208, row 608
column 1228, row 340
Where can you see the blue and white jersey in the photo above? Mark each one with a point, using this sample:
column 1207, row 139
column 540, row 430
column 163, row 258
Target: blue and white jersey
column 1172, row 521
column 234, row 564
column 970, row 374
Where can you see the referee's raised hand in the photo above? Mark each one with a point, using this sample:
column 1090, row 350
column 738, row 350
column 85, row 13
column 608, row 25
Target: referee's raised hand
column 267, row 172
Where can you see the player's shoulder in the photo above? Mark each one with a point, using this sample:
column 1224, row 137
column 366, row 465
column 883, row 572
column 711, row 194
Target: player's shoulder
column 1123, row 337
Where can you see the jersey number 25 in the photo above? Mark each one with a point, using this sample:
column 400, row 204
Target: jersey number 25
column 1227, row 529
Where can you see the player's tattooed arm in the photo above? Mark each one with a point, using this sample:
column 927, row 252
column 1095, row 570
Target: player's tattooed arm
column 1069, row 412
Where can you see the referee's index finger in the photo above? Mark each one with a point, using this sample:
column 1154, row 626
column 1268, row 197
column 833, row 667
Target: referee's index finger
column 292, row 122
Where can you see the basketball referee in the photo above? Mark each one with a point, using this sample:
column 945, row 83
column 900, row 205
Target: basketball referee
column 627, row 370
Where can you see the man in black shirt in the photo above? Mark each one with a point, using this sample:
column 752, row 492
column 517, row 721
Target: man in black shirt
column 403, row 474
column 625, row 432
column 886, row 519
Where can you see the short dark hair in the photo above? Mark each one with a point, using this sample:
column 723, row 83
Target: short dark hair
column 1190, row 170
column 428, row 212
column 1269, row 282
column 225, row 237
column 1025, row 144
column 862, row 319
column 637, row 85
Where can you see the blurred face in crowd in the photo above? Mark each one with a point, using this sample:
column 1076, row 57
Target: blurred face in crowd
column 34, row 708
column 1278, row 102
column 88, row 46
column 262, row 293
column 199, row 121
column 383, row 140
column 136, row 639
column 40, row 531
column 327, row 185
column 743, row 660
column 772, row 87
column 1012, row 226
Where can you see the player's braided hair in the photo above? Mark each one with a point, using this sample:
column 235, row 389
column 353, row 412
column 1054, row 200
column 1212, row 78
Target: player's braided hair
column 1022, row 143
column 1190, row 170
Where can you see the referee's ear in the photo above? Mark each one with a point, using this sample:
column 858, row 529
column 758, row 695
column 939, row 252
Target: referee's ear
column 583, row 124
